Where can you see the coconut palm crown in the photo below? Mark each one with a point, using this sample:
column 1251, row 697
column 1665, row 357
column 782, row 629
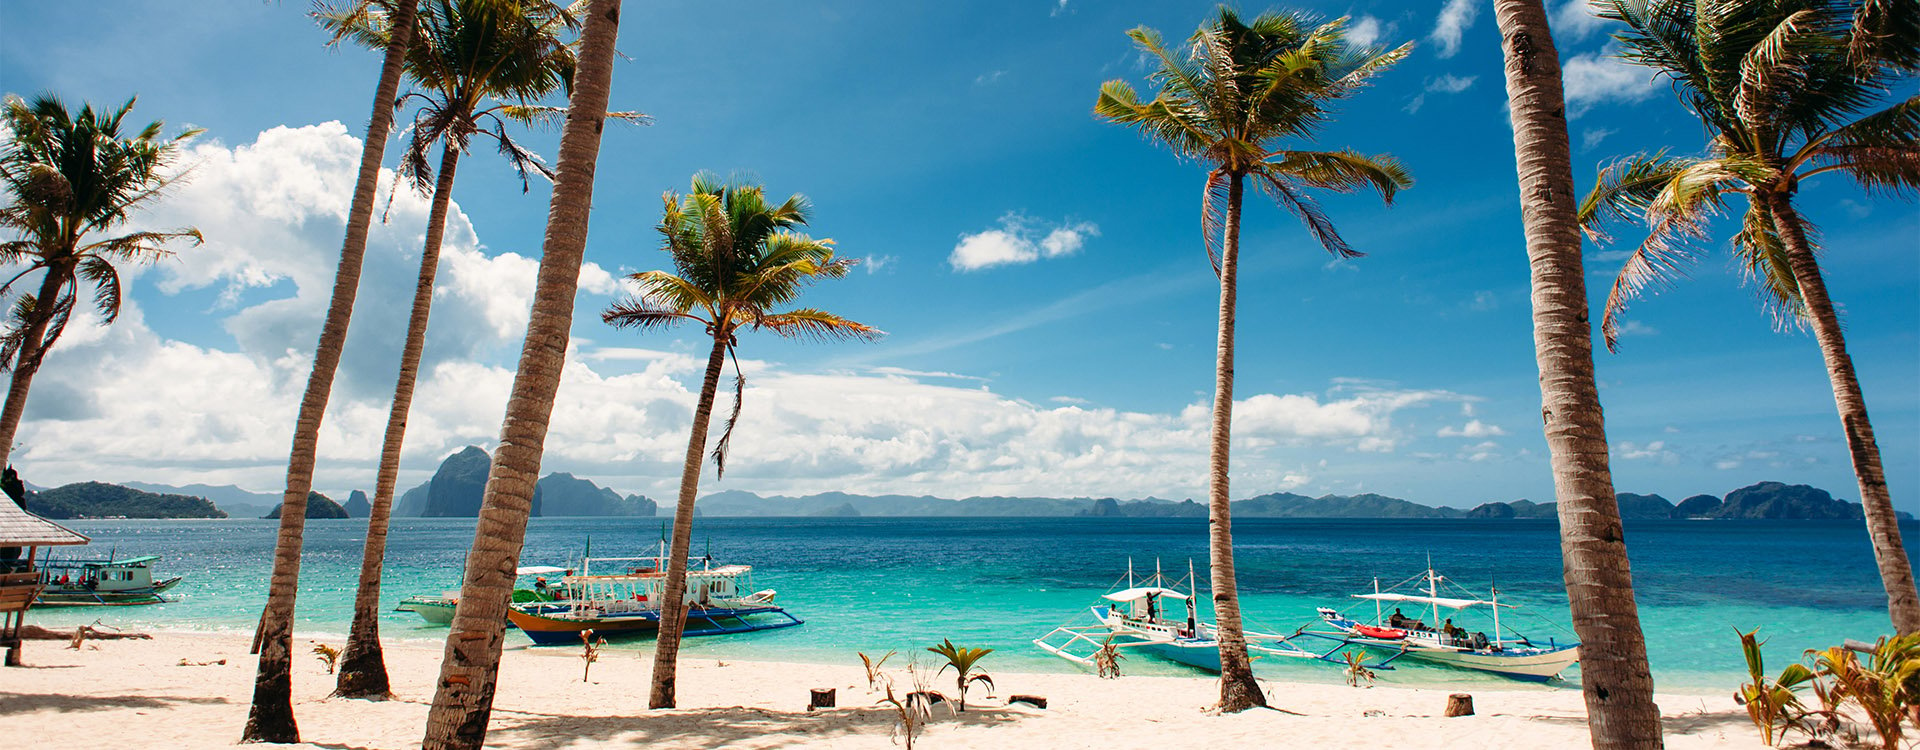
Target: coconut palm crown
column 1242, row 90
column 736, row 260
column 1783, row 101
column 69, row 180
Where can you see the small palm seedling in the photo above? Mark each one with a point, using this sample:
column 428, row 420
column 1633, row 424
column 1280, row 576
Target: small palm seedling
column 328, row 655
column 1884, row 688
column 1773, row 704
column 592, row 652
column 1106, row 661
column 914, row 709
column 1357, row 670
column 873, row 669
column 963, row 660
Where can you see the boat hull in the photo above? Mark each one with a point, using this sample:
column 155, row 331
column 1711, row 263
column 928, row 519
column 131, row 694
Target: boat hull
column 77, row 596
column 1544, row 665
column 564, row 628
column 434, row 612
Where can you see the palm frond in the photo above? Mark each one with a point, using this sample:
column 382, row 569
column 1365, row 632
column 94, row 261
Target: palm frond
column 1342, row 171
column 1624, row 189
column 1213, row 214
column 106, row 286
column 1290, row 197
column 817, row 325
column 1762, row 256
column 644, row 315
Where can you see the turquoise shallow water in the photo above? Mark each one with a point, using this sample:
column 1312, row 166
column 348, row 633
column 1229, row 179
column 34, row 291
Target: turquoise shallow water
column 874, row 584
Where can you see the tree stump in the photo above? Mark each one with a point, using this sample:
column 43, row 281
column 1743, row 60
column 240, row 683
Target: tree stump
column 1031, row 700
column 1459, row 704
column 821, row 698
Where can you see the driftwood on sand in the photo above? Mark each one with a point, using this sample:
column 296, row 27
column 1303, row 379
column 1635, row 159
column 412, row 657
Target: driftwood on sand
column 94, row 633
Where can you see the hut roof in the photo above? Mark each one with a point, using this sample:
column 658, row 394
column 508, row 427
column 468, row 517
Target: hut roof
column 19, row 528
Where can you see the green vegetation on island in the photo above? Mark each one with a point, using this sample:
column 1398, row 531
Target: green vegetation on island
column 102, row 500
column 318, row 506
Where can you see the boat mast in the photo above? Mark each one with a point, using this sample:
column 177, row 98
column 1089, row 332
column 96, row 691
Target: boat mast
column 1433, row 592
column 1129, row 572
column 1193, row 585
column 1378, row 618
column 1496, row 614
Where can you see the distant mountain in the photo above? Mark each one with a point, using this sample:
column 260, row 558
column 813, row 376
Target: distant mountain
column 101, row 500
column 238, row 503
column 358, row 506
column 413, row 502
column 567, row 495
column 1764, row 500
column 318, row 506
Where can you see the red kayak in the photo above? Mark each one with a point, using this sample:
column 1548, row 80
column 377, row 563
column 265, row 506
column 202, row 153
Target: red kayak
column 1385, row 634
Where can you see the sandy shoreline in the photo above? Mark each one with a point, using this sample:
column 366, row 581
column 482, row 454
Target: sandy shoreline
column 137, row 694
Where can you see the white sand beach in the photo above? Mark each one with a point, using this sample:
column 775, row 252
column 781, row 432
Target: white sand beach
column 139, row 694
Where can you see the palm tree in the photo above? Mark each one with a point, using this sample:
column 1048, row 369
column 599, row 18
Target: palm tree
column 1243, row 90
column 70, row 178
column 466, row 55
column 464, row 697
column 1614, row 676
column 270, row 719
column 1785, row 94
column 735, row 260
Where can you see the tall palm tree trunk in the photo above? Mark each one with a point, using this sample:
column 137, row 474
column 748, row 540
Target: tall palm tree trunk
column 673, row 619
column 363, row 667
column 1238, row 690
column 26, row 360
column 270, row 719
column 463, row 700
column 1614, row 676
column 1896, row 574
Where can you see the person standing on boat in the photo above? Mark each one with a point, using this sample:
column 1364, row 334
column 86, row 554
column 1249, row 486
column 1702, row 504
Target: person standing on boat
column 1193, row 622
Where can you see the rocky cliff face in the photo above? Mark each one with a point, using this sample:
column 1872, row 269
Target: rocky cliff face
column 567, row 495
column 358, row 506
column 457, row 488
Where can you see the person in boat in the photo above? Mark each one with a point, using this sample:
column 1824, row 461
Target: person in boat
column 1396, row 619
column 540, row 585
column 1447, row 629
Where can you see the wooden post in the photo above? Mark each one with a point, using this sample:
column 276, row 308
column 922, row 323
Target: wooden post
column 1460, row 704
column 822, row 698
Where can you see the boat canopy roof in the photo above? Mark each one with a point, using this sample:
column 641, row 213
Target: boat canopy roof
column 537, row 570
column 1438, row 601
column 1143, row 592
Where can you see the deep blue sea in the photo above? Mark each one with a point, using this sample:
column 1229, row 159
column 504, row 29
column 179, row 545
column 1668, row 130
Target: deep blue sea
column 875, row 584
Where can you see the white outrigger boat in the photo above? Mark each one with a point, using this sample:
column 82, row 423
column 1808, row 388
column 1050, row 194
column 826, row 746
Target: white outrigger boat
column 1136, row 618
column 1432, row 641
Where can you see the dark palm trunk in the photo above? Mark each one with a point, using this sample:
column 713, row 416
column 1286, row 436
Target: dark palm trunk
column 26, row 359
column 363, row 667
column 1614, row 676
column 673, row 619
column 1883, row 525
column 470, row 668
column 1238, row 690
column 270, row 719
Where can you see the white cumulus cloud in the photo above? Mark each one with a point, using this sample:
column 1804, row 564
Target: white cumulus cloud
column 1019, row 240
column 1599, row 77
column 1472, row 429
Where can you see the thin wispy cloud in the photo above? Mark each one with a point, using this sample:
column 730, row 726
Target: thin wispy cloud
column 1592, row 137
column 1599, row 77
column 1365, row 31
column 989, row 78
column 1446, row 83
column 1019, row 240
column 874, row 263
column 1454, row 20
column 1574, row 21
column 1059, row 7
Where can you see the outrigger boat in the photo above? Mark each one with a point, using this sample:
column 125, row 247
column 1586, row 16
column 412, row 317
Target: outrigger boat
column 1136, row 618
column 102, row 583
column 629, row 602
column 438, row 610
column 1431, row 641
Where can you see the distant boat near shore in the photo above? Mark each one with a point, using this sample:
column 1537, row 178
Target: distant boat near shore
column 102, row 583
column 1437, row 640
column 629, row 602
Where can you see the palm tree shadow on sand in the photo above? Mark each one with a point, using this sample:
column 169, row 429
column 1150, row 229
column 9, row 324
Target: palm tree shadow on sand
column 734, row 726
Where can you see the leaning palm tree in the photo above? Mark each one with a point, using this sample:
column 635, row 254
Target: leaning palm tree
column 735, row 260
column 270, row 719
column 1233, row 101
column 1785, row 95
column 1614, row 676
column 463, row 698
column 476, row 64
column 70, row 178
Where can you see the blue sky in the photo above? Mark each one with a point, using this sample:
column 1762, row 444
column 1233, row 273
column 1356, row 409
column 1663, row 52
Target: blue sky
column 932, row 137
